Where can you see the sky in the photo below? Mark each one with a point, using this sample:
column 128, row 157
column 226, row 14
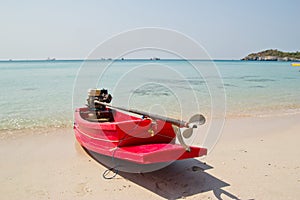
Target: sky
column 71, row 29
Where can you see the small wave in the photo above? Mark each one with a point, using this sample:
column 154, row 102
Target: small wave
column 152, row 90
column 257, row 86
column 246, row 77
column 229, row 85
column 290, row 78
column 239, row 77
column 261, row 80
column 17, row 123
column 29, row 89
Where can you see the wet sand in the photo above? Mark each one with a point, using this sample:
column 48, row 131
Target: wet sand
column 255, row 158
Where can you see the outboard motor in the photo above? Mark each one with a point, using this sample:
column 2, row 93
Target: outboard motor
column 99, row 95
column 98, row 112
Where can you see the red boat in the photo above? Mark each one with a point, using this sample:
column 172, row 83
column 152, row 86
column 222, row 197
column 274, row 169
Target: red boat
column 112, row 133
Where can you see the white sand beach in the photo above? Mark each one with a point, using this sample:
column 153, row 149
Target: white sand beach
column 255, row 158
column 60, row 60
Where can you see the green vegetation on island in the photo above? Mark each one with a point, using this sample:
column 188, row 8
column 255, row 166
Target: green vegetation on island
column 274, row 55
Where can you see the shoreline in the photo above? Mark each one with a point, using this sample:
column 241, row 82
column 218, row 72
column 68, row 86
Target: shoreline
column 255, row 158
column 13, row 133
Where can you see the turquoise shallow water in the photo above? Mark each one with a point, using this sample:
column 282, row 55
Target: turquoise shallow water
column 38, row 94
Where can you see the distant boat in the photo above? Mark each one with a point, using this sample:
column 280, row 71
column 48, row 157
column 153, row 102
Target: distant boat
column 155, row 58
column 295, row 64
column 50, row 59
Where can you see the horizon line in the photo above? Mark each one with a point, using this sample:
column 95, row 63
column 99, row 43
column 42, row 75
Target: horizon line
column 110, row 59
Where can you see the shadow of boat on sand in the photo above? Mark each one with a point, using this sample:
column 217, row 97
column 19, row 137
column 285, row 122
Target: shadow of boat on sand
column 180, row 179
column 175, row 180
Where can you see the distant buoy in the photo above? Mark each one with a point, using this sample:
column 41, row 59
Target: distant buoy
column 295, row 64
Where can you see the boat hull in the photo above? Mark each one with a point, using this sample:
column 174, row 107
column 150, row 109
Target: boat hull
column 131, row 140
column 125, row 130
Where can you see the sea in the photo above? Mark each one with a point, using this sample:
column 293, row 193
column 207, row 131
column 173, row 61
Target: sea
column 44, row 94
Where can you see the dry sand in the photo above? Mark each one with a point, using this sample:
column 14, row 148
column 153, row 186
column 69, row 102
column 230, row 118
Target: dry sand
column 256, row 158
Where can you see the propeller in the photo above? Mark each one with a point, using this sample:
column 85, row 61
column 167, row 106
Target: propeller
column 194, row 122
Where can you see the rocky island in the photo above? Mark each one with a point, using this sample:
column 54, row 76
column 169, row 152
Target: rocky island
column 273, row 55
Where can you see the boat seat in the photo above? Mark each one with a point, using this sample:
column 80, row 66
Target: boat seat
column 101, row 116
column 99, row 119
